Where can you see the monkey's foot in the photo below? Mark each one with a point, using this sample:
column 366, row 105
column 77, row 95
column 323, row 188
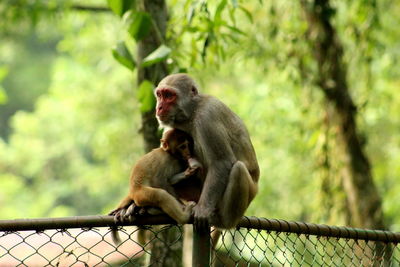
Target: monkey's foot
column 132, row 211
column 121, row 215
column 189, row 206
column 113, row 212
column 127, row 213
column 153, row 211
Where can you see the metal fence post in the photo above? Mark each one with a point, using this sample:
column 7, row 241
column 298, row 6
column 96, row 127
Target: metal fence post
column 201, row 248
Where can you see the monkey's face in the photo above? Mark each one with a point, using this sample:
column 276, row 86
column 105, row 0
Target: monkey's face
column 183, row 149
column 175, row 95
column 166, row 103
column 178, row 143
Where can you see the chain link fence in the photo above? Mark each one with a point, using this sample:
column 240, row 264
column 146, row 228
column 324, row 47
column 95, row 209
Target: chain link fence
column 263, row 242
column 86, row 241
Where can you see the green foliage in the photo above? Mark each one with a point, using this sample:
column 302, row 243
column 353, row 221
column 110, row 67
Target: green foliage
column 198, row 23
column 19, row 77
column 145, row 96
column 204, row 31
column 3, row 94
column 70, row 154
column 120, row 7
column 123, row 56
column 158, row 55
column 140, row 26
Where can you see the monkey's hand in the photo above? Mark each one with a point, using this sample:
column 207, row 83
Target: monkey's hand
column 127, row 213
column 113, row 212
column 201, row 220
column 194, row 166
column 177, row 178
column 190, row 171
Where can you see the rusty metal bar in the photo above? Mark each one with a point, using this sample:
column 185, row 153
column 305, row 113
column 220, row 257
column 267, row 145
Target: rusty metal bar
column 318, row 229
column 201, row 248
column 78, row 222
column 246, row 222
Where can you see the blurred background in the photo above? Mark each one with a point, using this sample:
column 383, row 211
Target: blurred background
column 71, row 103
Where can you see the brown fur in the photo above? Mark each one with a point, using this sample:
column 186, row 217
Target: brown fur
column 149, row 186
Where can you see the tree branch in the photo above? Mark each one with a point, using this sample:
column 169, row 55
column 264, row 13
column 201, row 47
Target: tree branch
column 90, row 8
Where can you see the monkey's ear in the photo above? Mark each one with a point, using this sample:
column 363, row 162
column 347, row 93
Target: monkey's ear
column 164, row 144
column 194, row 90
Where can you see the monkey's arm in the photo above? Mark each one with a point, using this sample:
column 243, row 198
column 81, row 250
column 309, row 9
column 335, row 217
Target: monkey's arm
column 194, row 166
column 218, row 158
column 177, row 178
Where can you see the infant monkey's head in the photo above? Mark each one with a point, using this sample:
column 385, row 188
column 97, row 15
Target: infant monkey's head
column 178, row 143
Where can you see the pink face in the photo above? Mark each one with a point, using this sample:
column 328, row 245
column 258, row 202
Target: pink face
column 166, row 99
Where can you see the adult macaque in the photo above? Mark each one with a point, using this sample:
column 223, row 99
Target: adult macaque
column 222, row 145
column 149, row 186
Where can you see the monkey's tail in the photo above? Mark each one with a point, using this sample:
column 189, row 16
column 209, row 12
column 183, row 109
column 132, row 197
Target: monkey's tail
column 115, row 236
column 215, row 235
column 141, row 236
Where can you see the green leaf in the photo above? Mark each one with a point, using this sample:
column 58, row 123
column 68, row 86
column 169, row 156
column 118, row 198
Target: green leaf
column 247, row 13
column 3, row 72
column 3, row 96
column 123, row 56
column 235, row 29
column 158, row 55
column 218, row 12
column 140, row 26
column 119, row 7
column 190, row 14
column 145, row 96
column 232, row 12
column 115, row 6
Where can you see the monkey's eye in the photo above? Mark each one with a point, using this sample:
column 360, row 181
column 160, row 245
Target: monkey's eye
column 168, row 94
column 158, row 94
column 183, row 146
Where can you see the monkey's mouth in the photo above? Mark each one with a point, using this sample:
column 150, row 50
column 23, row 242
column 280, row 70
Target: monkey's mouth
column 163, row 117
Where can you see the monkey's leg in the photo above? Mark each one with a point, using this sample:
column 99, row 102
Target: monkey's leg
column 122, row 208
column 239, row 192
column 158, row 197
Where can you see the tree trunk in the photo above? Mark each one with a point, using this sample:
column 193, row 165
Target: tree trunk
column 167, row 246
column 363, row 200
column 158, row 12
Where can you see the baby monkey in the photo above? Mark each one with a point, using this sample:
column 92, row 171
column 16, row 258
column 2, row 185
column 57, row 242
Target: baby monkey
column 153, row 176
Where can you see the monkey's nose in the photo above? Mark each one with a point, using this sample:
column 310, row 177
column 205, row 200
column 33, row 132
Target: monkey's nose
column 160, row 111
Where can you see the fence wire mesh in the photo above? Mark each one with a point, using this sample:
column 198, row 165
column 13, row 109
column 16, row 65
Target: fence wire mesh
column 87, row 241
column 77, row 247
column 249, row 247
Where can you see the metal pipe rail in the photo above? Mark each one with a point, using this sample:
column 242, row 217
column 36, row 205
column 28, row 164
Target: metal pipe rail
column 246, row 222
column 319, row 229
